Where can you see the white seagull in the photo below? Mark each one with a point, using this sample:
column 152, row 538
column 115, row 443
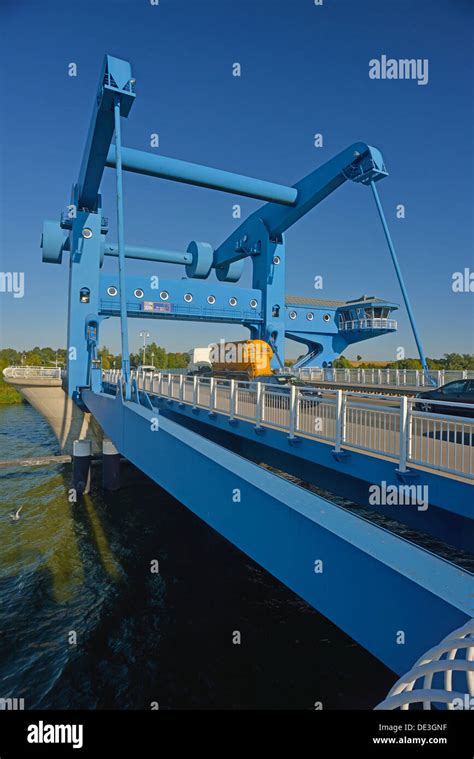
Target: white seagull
column 16, row 516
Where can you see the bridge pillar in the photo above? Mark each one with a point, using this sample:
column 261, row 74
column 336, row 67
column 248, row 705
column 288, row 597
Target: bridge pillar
column 81, row 466
column 110, row 466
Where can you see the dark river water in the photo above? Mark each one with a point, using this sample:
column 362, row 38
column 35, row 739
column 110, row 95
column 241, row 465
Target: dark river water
column 85, row 624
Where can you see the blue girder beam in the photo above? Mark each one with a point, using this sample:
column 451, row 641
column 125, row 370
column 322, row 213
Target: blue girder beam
column 185, row 299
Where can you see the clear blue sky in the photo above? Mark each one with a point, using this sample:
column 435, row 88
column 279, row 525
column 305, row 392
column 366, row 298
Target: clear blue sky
column 304, row 71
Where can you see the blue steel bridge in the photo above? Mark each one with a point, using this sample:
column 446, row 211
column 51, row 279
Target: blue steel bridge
column 204, row 441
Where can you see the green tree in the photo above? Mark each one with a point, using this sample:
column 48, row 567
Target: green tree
column 106, row 357
column 342, row 363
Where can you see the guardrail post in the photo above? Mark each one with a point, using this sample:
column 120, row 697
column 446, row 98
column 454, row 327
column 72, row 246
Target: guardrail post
column 181, row 389
column 212, row 386
column 293, row 411
column 405, row 425
column 340, row 420
column 232, row 399
column 195, row 390
column 410, row 402
column 259, row 404
column 170, row 386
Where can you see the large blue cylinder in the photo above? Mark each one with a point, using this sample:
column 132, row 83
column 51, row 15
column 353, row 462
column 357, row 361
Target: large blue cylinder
column 203, row 176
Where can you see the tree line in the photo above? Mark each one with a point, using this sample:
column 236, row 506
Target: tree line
column 155, row 355
column 457, row 361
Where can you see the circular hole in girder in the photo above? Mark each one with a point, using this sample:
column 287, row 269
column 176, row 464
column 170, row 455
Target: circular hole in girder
column 292, row 314
column 232, row 301
column 211, row 299
column 138, row 293
column 188, row 297
column 164, row 295
column 112, row 291
column 310, row 316
column 253, row 303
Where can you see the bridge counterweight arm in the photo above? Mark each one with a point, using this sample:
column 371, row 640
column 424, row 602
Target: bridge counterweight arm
column 359, row 162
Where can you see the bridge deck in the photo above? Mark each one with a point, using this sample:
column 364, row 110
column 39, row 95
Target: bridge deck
column 347, row 568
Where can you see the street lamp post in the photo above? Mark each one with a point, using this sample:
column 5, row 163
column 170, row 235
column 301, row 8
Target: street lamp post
column 144, row 335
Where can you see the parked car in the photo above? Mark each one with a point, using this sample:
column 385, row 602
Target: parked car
column 459, row 391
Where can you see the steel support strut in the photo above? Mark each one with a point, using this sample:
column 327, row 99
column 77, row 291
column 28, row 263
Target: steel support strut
column 121, row 253
column 401, row 282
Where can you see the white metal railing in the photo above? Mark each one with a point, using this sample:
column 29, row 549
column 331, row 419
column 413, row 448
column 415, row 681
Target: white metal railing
column 376, row 323
column 397, row 377
column 390, row 426
column 430, row 681
column 33, row 372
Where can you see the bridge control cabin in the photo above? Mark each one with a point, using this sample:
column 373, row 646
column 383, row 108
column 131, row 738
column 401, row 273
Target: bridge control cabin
column 328, row 327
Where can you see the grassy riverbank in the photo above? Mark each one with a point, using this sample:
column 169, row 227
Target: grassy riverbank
column 8, row 394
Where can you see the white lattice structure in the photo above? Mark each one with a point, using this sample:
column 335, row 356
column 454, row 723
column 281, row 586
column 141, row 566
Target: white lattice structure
column 455, row 654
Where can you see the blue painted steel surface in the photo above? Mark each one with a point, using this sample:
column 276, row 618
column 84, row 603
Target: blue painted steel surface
column 318, row 327
column 144, row 253
column 168, row 297
column 449, row 517
column 155, row 165
column 83, row 303
column 121, row 253
column 311, row 191
column 115, row 79
column 373, row 584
